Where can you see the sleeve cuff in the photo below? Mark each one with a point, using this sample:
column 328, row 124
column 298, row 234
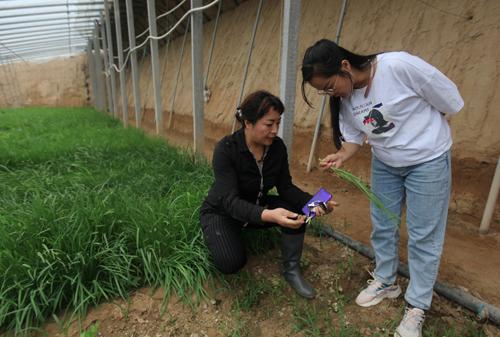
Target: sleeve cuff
column 256, row 214
column 355, row 140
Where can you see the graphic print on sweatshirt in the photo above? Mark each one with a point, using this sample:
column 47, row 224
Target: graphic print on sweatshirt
column 376, row 119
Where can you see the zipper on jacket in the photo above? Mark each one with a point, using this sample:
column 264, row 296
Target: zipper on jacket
column 260, row 166
column 261, row 187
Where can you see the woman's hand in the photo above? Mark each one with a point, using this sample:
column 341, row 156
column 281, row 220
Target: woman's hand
column 283, row 217
column 330, row 205
column 334, row 159
column 340, row 157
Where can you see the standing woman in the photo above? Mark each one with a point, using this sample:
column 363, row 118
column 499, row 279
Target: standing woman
column 397, row 101
column 247, row 164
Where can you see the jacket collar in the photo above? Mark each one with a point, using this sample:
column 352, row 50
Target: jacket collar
column 239, row 137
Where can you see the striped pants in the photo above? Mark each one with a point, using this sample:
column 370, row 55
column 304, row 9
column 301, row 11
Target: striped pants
column 223, row 236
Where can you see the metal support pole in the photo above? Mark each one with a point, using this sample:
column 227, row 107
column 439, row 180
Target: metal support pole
column 8, row 75
column 111, row 59
column 323, row 100
column 165, row 60
column 249, row 57
column 133, row 61
column 155, row 64
column 172, row 100
column 123, row 92
column 3, row 102
column 142, row 64
column 8, row 93
column 12, row 82
column 15, row 83
column 316, row 134
column 197, row 75
column 109, row 94
column 7, row 86
column 288, row 71
column 212, row 44
column 90, row 60
column 98, row 71
column 490, row 203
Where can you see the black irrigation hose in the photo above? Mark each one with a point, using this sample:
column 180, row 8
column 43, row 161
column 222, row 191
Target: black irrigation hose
column 482, row 309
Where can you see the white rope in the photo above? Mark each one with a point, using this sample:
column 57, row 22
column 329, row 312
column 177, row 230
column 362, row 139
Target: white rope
column 150, row 37
column 172, row 10
column 159, row 17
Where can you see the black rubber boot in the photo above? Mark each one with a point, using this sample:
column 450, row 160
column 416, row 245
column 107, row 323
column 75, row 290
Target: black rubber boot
column 291, row 251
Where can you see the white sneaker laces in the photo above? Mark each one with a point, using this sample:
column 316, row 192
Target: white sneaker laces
column 414, row 317
column 373, row 282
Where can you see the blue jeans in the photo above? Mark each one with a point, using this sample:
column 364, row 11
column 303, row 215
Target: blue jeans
column 426, row 189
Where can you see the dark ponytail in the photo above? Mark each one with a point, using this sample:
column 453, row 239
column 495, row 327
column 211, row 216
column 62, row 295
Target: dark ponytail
column 324, row 59
column 334, row 114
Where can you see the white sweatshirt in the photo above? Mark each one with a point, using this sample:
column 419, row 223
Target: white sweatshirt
column 403, row 114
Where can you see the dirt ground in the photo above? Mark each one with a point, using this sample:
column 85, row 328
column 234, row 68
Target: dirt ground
column 258, row 303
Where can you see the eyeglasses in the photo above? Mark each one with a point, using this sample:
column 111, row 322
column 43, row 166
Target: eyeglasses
column 329, row 91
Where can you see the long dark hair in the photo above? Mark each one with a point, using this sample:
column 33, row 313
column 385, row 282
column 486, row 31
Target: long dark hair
column 324, row 58
column 256, row 105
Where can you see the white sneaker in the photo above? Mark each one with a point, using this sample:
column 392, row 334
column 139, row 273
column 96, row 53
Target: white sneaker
column 376, row 292
column 411, row 324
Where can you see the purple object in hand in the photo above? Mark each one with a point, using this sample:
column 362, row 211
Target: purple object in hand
column 319, row 199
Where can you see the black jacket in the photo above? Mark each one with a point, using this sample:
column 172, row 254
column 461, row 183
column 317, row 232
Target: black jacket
column 237, row 180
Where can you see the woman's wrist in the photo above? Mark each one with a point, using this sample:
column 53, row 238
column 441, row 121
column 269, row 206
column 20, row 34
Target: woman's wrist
column 342, row 154
column 348, row 150
column 265, row 215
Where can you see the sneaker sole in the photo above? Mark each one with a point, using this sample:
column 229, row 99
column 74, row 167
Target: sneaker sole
column 397, row 334
column 377, row 300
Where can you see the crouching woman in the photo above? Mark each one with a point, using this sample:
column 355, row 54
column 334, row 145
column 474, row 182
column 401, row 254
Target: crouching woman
column 247, row 164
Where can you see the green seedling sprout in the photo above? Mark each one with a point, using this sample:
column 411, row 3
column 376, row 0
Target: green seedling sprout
column 360, row 185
